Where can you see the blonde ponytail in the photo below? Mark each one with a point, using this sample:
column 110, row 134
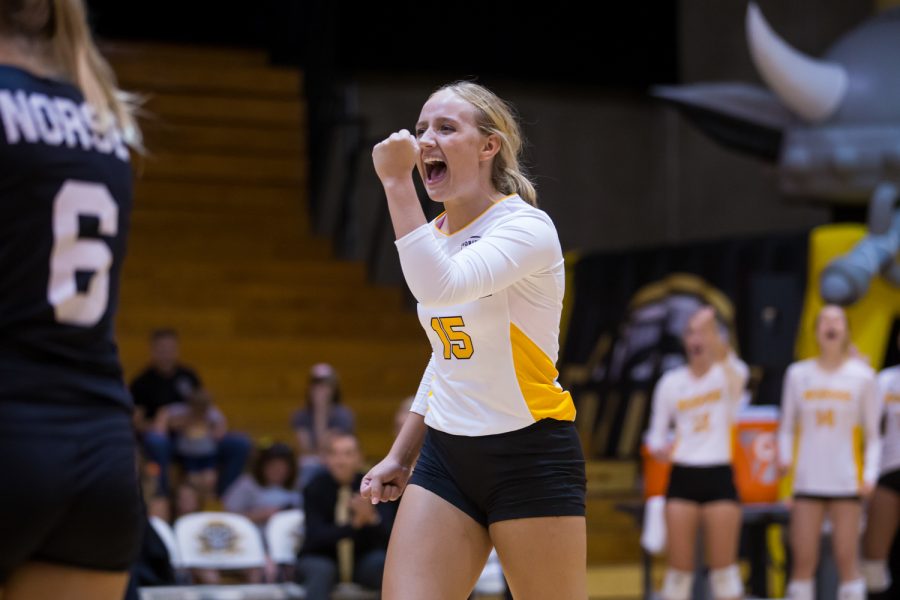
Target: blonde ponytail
column 75, row 52
column 495, row 116
column 513, row 180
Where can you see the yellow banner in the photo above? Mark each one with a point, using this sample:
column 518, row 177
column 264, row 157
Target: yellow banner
column 870, row 319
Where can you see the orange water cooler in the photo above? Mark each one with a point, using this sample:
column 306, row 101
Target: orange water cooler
column 755, row 454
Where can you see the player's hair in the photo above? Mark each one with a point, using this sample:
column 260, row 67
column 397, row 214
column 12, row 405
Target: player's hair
column 163, row 333
column 272, row 452
column 62, row 25
column 338, row 434
column 333, row 380
column 495, row 115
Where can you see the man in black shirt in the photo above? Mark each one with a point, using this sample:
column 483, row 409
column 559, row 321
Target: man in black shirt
column 346, row 536
column 166, row 381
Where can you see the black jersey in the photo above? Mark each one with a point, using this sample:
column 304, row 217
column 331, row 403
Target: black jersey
column 65, row 197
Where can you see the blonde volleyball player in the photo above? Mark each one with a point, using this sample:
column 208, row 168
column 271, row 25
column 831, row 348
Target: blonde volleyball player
column 702, row 398
column 884, row 506
column 499, row 460
column 826, row 398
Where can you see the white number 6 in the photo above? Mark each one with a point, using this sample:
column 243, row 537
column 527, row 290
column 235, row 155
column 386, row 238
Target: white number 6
column 72, row 254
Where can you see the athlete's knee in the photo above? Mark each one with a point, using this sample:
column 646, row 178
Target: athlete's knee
column 801, row 590
column 677, row 585
column 852, row 590
column 876, row 574
column 726, row 582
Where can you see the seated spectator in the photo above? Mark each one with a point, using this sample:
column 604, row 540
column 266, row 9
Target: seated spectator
column 346, row 536
column 269, row 488
column 323, row 413
column 164, row 382
column 197, row 427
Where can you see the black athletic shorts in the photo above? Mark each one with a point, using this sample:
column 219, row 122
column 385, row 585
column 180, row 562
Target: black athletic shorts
column 827, row 497
column 891, row 481
column 537, row 471
column 702, row 484
column 70, row 491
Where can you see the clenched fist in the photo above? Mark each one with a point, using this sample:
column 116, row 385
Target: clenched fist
column 396, row 156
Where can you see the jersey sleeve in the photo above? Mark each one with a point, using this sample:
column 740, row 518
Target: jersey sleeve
column 736, row 375
column 514, row 249
column 420, row 402
column 788, row 419
column 871, row 419
column 660, row 417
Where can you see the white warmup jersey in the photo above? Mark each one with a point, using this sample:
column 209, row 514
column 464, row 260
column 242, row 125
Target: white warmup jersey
column 490, row 297
column 889, row 401
column 703, row 410
column 826, row 408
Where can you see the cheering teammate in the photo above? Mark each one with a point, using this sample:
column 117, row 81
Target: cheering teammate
column 501, row 463
column 702, row 399
column 826, row 398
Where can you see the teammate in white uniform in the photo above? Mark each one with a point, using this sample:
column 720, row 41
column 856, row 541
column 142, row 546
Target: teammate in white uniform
column 500, row 460
column 826, row 399
column 702, row 399
column 884, row 506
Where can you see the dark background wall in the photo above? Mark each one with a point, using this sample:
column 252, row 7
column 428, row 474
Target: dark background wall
column 614, row 168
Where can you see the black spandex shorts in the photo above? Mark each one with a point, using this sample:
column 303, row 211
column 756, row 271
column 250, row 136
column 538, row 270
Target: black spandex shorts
column 827, row 497
column 891, row 481
column 70, row 492
column 537, row 471
column 702, row 484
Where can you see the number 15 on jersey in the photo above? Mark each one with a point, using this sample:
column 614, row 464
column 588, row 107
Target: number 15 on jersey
column 457, row 343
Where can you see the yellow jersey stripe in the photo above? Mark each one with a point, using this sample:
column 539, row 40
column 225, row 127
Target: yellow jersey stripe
column 537, row 375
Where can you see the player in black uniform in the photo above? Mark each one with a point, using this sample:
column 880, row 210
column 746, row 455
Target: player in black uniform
column 69, row 498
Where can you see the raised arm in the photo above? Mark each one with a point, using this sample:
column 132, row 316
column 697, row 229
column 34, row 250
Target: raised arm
column 523, row 244
column 736, row 375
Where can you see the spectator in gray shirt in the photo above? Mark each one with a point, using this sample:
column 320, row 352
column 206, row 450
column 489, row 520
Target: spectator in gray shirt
column 323, row 413
column 269, row 488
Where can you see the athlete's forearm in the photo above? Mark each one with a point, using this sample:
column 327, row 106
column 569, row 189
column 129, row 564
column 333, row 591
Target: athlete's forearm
column 409, row 441
column 734, row 379
column 403, row 204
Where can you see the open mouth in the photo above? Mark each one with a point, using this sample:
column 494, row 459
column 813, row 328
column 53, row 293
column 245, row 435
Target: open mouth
column 435, row 170
column 831, row 334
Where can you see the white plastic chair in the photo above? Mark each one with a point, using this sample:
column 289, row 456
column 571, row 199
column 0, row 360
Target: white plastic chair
column 284, row 534
column 219, row 540
column 167, row 535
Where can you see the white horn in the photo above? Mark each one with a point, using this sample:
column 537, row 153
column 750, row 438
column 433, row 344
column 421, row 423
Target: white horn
column 811, row 88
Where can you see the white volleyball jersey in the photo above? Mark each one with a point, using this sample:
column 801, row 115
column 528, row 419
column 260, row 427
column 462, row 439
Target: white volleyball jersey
column 703, row 410
column 889, row 401
column 825, row 408
column 490, row 298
